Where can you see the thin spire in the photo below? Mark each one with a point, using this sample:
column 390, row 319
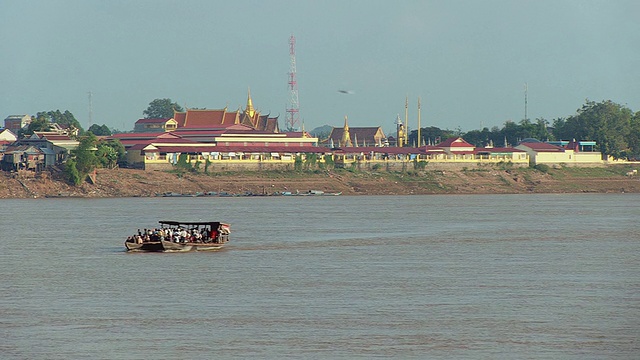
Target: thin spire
column 346, row 137
column 249, row 110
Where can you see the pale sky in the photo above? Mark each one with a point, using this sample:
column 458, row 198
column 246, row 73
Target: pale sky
column 468, row 60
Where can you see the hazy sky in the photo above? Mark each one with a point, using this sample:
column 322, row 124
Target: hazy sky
column 467, row 60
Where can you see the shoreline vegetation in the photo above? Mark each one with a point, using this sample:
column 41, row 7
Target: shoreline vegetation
column 110, row 183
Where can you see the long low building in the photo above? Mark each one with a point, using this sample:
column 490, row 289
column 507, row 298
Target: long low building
column 573, row 152
column 239, row 148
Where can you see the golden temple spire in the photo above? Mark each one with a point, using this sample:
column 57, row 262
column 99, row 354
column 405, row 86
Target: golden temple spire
column 250, row 110
column 346, row 137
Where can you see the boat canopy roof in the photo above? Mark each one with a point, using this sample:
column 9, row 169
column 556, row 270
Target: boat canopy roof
column 191, row 223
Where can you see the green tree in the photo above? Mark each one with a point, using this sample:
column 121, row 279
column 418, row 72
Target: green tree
column 541, row 130
column 84, row 159
column 100, row 130
column 161, row 109
column 430, row 135
column 478, row 138
column 633, row 139
column 40, row 123
column 606, row 122
column 64, row 119
column 71, row 172
column 109, row 153
column 511, row 132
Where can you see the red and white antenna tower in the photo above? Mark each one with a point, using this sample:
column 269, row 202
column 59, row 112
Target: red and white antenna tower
column 293, row 109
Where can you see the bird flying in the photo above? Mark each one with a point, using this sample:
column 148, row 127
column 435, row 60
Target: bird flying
column 346, row 92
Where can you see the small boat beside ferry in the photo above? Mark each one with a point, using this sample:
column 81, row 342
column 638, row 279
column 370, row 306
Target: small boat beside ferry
column 180, row 236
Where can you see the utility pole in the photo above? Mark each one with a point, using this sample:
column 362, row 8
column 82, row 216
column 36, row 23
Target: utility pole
column 526, row 88
column 406, row 120
column 419, row 138
column 90, row 109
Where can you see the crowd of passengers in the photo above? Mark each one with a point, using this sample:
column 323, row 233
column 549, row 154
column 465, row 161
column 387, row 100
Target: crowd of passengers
column 176, row 235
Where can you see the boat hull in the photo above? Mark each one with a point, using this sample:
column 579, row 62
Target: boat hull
column 168, row 246
column 153, row 246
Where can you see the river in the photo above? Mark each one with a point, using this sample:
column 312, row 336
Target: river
column 440, row 276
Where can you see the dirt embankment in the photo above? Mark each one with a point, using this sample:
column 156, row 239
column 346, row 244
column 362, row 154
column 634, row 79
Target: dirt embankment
column 136, row 183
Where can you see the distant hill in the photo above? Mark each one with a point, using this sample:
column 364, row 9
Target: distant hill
column 321, row 132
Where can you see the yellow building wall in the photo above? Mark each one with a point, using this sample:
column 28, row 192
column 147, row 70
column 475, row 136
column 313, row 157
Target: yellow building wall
column 568, row 157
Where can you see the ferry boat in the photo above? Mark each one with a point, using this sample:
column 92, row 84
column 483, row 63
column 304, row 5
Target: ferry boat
column 180, row 236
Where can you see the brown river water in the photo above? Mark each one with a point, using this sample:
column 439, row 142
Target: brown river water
column 437, row 277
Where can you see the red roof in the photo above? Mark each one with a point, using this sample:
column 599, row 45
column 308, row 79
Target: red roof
column 230, row 118
column 146, row 135
column 389, row 150
column 497, row 150
column 202, row 118
column 542, row 147
column 216, row 128
column 454, row 142
column 179, row 117
column 152, row 121
column 241, row 148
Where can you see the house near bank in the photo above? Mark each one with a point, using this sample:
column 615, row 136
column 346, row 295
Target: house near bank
column 17, row 122
column 7, row 136
column 55, row 147
column 456, row 145
column 573, row 153
column 154, row 125
column 23, row 157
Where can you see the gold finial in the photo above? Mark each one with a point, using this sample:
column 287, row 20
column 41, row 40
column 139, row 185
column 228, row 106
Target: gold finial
column 249, row 110
column 346, row 137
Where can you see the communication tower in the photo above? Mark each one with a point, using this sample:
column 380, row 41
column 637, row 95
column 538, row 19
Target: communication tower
column 293, row 109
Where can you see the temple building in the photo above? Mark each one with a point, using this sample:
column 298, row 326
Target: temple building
column 356, row 136
column 198, row 119
column 211, row 119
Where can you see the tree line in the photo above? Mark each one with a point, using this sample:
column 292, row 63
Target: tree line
column 614, row 127
column 44, row 120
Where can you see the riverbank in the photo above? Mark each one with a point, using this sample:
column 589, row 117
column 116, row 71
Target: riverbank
column 138, row 183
